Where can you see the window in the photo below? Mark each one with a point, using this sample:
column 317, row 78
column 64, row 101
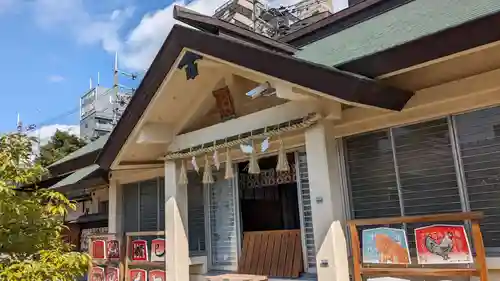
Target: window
column 479, row 152
column 103, row 121
column 104, row 207
column 144, row 210
column 445, row 165
column 372, row 177
column 196, row 214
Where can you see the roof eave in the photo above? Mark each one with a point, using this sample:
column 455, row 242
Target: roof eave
column 346, row 86
column 74, row 163
column 341, row 20
column 428, row 48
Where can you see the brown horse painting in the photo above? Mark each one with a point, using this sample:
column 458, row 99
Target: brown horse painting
column 390, row 251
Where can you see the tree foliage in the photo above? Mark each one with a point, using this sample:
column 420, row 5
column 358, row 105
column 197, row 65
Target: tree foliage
column 31, row 245
column 60, row 144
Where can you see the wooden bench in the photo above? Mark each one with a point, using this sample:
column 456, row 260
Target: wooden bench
column 236, row 277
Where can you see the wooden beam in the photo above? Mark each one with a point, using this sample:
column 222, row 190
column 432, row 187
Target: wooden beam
column 155, row 133
column 331, row 110
column 267, row 117
column 197, row 103
column 286, row 91
column 138, row 174
column 474, row 92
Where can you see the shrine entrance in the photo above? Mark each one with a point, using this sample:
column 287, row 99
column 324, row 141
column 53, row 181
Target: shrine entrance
column 269, row 200
column 270, row 220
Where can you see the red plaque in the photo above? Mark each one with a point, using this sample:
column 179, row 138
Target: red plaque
column 112, row 274
column 98, row 249
column 158, row 250
column 137, row 275
column 442, row 244
column 139, row 250
column 97, row 274
column 113, row 249
column 157, row 275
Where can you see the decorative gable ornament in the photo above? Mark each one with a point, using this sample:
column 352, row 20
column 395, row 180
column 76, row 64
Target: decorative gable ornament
column 190, row 65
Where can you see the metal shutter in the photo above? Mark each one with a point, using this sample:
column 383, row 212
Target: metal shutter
column 372, row 178
column 426, row 169
column 148, row 205
column 306, row 212
column 161, row 201
column 196, row 214
column 479, row 141
column 408, row 170
column 223, row 229
column 130, row 207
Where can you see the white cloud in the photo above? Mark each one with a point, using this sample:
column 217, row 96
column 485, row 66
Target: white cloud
column 144, row 41
column 55, row 78
column 88, row 28
column 138, row 47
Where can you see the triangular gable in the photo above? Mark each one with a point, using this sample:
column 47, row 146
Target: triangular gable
column 341, row 85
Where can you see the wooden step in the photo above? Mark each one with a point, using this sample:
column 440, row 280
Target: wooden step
column 237, row 277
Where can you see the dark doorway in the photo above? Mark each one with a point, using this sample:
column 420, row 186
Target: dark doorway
column 269, row 201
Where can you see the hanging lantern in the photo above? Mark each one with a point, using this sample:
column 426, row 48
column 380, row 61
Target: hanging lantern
column 282, row 165
column 229, row 165
column 183, row 180
column 207, row 172
column 253, row 166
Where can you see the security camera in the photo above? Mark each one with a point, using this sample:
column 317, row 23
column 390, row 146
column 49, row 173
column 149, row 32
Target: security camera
column 264, row 89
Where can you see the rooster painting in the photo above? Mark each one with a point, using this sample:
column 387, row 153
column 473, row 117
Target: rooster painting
column 442, row 248
column 443, row 244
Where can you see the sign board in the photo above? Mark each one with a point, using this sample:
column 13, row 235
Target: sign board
column 385, row 246
column 443, row 244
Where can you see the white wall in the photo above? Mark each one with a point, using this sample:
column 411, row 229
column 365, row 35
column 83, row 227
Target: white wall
column 339, row 5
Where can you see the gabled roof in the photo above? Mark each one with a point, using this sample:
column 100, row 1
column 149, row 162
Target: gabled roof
column 339, row 21
column 343, row 85
column 91, row 175
column 376, row 37
column 83, row 157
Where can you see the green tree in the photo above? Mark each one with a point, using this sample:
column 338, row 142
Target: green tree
column 31, row 222
column 59, row 145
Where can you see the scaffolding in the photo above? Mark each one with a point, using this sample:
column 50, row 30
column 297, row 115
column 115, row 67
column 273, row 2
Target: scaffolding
column 267, row 20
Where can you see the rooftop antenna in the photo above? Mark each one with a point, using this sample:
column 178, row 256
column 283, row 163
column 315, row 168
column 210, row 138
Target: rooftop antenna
column 90, row 85
column 115, row 71
column 98, row 78
column 19, row 123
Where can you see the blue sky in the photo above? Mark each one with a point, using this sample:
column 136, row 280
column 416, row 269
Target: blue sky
column 50, row 49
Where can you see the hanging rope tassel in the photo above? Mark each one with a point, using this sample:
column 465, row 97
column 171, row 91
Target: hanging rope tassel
column 282, row 165
column 253, row 166
column 229, row 165
column 183, row 180
column 207, row 172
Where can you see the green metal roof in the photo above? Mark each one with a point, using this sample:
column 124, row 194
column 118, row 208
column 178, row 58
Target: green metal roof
column 76, row 176
column 400, row 25
column 93, row 146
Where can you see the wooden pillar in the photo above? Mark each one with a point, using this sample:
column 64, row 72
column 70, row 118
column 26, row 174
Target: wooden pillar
column 115, row 212
column 176, row 234
column 327, row 203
